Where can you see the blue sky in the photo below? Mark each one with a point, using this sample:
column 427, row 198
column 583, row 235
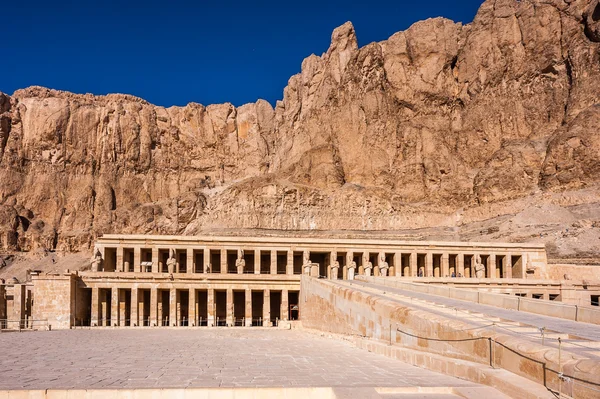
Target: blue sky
column 176, row 52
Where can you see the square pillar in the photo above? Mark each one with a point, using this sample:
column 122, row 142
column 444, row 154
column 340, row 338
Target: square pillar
column 173, row 307
column 134, row 308
column 523, row 271
column 114, row 306
column 3, row 304
column 289, row 267
column 210, row 307
column 190, row 260
column 19, row 301
column 122, row 313
column 445, row 265
column 119, row 267
column 460, row 265
column 397, row 268
column 257, row 261
column 95, row 307
column 267, row 308
column 428, row 264
column 491, row 266
column 224, row 266
column 137, row 259
column 507, row 265
column 154, row 260
column 104, row 309
column 154, row 306
column 413, row 264
column 206, row 261
column 273, row 262
column 192, row 320
column 229, row 315
column 284, row 305
column 248, row 311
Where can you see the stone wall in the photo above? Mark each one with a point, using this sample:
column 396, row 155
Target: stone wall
column 337, row 309
column 55, row 299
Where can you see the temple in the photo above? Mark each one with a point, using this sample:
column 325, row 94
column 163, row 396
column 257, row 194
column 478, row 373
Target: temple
column 138, row 280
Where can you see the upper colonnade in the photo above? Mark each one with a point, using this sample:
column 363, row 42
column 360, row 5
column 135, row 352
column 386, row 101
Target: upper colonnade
column 334, row 258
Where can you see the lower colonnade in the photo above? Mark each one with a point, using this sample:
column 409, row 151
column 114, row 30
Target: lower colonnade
column 145, row 306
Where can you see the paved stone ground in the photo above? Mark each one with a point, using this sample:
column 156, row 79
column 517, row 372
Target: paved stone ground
column 202, row 357
column 524, row 324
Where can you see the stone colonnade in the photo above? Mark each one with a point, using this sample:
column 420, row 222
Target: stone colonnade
column 152, row 305
column 338, row 263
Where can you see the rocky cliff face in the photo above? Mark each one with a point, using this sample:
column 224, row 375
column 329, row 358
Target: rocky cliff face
column 442, row 125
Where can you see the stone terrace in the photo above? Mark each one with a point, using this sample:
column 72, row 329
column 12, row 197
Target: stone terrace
column 177, row 358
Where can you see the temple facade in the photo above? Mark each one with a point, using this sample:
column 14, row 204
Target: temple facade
column 138, row 280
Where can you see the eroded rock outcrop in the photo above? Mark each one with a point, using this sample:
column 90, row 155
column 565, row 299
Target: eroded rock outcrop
column 439, row 125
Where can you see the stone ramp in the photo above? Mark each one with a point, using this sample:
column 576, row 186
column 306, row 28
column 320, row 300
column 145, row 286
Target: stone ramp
column 579, row 338
column 419, row 393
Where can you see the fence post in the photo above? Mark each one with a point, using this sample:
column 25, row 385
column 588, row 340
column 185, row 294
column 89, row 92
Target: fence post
column 491, row 353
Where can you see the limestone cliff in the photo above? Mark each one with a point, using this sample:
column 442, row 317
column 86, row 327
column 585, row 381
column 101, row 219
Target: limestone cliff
column 441, row 126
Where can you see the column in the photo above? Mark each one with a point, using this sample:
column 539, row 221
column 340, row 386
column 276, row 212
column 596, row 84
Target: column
column 114, row 306
column 192, row 320
column 224, row 265
column 413, row 264
column 206, row 260
column 119, row 266
column 445, row 265
column 523, row 273
column 134, row 308
column 257, row 261
column 284, row 305
column 3, row 305
column 95, row 307
column 154, row 306
column 273, row 262
column 492, row 266
column 104, row 308
column 248, row 311
column 460, row 265
column 210, row 307
column 122, row 313
column 507, row 264
column 137, row 259
column 397, row 269
column 173, row 307
column 229, row 315
column 190, row 260
column 428, row 264
column 154, row 260
column 267, row 308
column 289, row 269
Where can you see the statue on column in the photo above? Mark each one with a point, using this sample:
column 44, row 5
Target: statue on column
column 383, row 265
column 335, row 266
column 478, row 266
column 368, row 266
column 97, row 260
column 351, row 266
column 171, row 262
column 240, row 262
column 306, row 263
